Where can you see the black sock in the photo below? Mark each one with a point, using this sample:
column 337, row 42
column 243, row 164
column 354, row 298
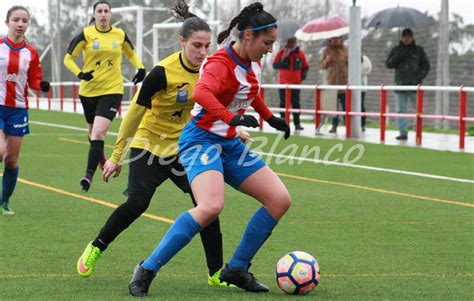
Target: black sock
column 211, row 238
column 122, row 217
column 99, row 244
column 96, row 151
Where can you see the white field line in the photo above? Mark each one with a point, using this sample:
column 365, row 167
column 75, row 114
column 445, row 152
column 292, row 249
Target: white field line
column 298, row 159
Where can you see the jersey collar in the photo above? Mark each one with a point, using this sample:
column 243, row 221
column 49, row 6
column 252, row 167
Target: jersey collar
column 186, row 65
column 246, row 65
column 12, row 45
column 95, row 26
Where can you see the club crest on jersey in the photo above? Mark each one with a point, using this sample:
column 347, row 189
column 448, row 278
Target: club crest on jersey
column 114, row 44
column 182, row 96
column 95, row 45
column 204, row 159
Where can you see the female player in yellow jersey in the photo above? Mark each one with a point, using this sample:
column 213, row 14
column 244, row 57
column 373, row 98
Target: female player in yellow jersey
column 151, row 127
column 101, row 90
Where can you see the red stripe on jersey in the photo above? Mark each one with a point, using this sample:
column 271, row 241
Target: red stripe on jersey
column 10, row 97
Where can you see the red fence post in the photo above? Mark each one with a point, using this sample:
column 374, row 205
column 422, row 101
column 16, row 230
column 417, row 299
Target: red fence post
column 260, row 120
column 348, row 110
column 419, row 112
column 462, row 115
column 61, row 96
column 383, row 110
column 287, row 104
column 74, row 96
column 317, row 107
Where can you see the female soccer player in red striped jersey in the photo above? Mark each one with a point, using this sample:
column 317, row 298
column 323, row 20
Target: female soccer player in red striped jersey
column 20, row 68
column 212, row 154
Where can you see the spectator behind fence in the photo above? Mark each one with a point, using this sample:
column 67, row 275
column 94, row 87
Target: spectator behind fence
column 334, row 61
column 292, row 67
column 411, row 67
column 365, row 71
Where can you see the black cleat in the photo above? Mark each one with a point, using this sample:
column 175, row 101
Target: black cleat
column 85, row 183
column 141, row 281
column 242, row 279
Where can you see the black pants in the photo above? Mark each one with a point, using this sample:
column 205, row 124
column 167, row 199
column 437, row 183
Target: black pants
column 144, row 178
column 295, row 103
column 341, row 100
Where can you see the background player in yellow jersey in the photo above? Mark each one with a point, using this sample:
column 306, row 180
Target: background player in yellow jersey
column 156, row 117
column 101, row 90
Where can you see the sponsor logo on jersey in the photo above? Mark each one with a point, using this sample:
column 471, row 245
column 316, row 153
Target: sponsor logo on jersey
column 182, row 96
column 13, row 78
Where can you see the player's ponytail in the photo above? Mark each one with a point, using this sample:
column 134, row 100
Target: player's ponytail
column 191, row 22
column 252, row 17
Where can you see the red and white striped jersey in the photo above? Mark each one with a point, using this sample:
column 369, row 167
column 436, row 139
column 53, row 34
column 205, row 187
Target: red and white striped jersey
column 227, row 87
column 19, row 68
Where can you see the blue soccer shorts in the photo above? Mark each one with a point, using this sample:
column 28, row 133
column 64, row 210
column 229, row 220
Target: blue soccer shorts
column 200, row 151
column 14, row 121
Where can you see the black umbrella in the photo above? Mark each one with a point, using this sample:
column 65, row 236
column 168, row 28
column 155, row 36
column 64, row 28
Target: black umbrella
column 287, row 28
column 399, row 17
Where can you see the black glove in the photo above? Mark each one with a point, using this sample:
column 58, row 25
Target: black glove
column 87, row 76
column 245, row 120
column 44, row 85
column 279, row 124
column 139, row 76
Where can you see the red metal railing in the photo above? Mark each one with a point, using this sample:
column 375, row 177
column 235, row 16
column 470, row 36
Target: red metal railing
column 318, row 112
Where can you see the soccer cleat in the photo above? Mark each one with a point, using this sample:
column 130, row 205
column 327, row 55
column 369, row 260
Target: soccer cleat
column 215, row 281
column 102, row 161
column 243, row 279
column 141, row 281
column 86, row 263
column 85, row 183
column 6, row 210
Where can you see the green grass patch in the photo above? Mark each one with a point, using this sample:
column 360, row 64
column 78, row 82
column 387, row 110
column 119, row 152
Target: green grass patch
column 376, row 235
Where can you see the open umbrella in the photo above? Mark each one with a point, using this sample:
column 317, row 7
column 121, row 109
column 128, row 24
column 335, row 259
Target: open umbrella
column 323, row 28
column 399, row 17
column 287, row 28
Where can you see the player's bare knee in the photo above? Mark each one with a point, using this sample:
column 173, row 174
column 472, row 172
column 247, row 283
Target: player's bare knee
column 10, row 162
column 213, row 209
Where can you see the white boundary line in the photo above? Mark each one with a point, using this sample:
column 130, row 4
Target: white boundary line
column 410, row 173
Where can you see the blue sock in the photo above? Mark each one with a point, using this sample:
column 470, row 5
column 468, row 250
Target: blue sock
column 178, row 236
column 8, row 183
column 258, row 230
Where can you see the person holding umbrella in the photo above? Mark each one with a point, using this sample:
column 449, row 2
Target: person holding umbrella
column 334, row 60
column 292, row 67
column 411, row 67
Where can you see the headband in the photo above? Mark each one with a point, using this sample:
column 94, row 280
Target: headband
column 260, row 27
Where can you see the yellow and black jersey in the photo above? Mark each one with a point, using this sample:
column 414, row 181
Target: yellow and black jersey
column 102, row 53
column 160, row 109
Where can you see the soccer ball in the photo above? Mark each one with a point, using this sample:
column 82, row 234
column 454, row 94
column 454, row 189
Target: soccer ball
column 297, row 273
